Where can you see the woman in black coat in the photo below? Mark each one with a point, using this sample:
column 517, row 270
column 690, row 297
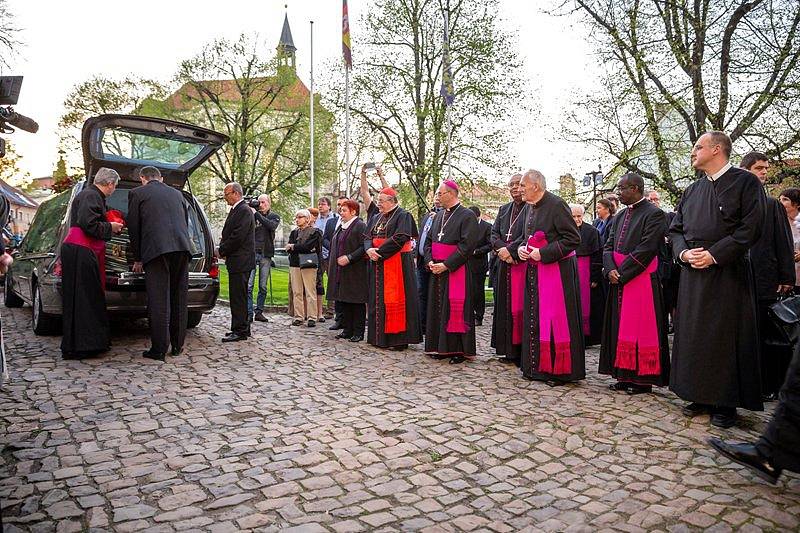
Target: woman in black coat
column 347, row 272
column 305, row 239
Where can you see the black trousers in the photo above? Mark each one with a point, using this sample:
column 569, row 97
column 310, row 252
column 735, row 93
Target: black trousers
column 781, row 440
column 337, row 310
column 423, row 278
column 478, row 293
column 774, row 359
column 237, row 293
column 166, row 279
column 354, row 318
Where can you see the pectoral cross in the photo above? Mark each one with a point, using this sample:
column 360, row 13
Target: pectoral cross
column 508, row 235
column 441, row 234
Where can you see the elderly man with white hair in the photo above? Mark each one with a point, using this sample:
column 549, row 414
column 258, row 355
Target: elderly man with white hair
column 552, row 342
column 590, row 276
column 83, row 273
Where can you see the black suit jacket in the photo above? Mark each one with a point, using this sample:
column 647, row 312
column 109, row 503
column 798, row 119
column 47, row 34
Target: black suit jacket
column 327, row 234
column 479, row 262
column 773, row 254
column 157, row 221
column 237, row 245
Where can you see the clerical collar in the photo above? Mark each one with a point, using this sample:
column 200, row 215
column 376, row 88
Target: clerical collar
column 640, row 200
column 718, row 174
column 454, row 207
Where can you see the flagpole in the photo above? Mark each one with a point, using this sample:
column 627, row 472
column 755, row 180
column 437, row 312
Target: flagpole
column 347, row 127
column 311, row 105
column 447, row 107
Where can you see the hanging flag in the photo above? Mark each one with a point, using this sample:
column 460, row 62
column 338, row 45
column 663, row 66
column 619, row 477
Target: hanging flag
column 448, row 90
column 348, row 59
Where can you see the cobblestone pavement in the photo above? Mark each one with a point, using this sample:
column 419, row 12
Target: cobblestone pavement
column 295, row 431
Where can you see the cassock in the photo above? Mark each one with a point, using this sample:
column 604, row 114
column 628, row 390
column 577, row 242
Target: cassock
column 478, row 265
column 393, row 308
column 590, row 270
column 715, row 358
column 552, row 341
column 83, row 276
column 509, row 285
column 773, row 264
column 635, row 346
column 450, row 328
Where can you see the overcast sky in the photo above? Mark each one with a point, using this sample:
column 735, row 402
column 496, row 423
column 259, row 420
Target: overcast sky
column 73, row 41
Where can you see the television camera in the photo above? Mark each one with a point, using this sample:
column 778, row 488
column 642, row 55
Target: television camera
column 9, row 119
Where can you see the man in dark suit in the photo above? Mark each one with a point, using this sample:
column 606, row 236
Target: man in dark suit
column 478, row 264
column 159, row 234
column 423, row 273
column 237, row 247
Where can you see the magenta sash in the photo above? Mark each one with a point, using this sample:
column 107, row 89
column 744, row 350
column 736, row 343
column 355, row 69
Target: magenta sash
column 518, row 271
column 553, row 325
column 76, row 236
column 585, row 280
column 638, row 333
column 456, row 288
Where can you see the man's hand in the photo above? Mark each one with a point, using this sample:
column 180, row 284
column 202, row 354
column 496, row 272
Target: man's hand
column 613, row 277
column 536, row 255
column 342, row 260
column 700, row 259
column 797, row 257
column 437, row 268
column 138, row 267
column 116, row 227
column 523, row 253
column 505, row 255
column 289, row 247
column 593, row 284
column 5, row 261
column 373, row 254
column 783, row 289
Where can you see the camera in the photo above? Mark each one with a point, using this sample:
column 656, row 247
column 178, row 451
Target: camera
column 10, row 87
column 251, row 201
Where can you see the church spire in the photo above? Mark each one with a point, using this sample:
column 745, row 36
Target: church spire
column 286, row 48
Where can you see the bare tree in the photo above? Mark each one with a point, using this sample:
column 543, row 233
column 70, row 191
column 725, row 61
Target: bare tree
column 678, row 68
column 397, row 78
column 8, row 34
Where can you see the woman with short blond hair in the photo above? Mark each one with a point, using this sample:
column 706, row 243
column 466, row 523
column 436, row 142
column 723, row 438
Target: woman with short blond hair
column 305, row 240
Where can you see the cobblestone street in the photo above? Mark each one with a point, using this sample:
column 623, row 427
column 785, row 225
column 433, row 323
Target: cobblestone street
column 294, row 431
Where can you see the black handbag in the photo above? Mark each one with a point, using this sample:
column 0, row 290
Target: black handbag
column 308, row 260
column 782, row 329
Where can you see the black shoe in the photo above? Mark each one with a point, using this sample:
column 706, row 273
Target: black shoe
column 297, row 322
column 398, row 348
column 357, row 338
column 311, row 323
column 771, row 397
column 72, row 356
column 620, row 386
column 175, row 352
column 554, row 383
column 335, row 326
column 321, row 320
column 235, row 337
column 343, row 335
column 505, row 361
column 747, row 455
column 723, row 417
column 634, row 389
column 156, row 356
column 696, row 409
column 456, row 359
column 259, row 317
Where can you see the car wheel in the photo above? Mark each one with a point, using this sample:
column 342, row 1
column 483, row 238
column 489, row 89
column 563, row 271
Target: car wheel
column 194, row 319
column 43, row 323
column 11, row 298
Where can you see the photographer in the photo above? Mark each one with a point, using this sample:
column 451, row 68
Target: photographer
column 266, row 224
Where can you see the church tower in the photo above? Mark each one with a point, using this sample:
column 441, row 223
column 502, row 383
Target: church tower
column 286, row 48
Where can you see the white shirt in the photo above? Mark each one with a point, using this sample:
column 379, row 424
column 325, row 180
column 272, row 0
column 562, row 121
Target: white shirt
column 346, row 225
column 718, row 174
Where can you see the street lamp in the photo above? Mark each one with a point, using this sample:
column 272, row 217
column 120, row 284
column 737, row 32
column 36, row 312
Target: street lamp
column 594, row 179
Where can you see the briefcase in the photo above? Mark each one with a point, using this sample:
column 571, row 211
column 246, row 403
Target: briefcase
column 782, row 329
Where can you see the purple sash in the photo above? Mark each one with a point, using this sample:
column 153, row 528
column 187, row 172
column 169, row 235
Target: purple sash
column 456, row 288
column 76, row 236
column 585, row 280
column 638, row 332
column 552, row 314
column 517, row 300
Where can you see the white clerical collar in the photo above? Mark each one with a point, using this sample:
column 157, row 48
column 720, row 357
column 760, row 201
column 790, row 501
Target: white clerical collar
column 346, row 225
column 718, row 174
column 640, row 200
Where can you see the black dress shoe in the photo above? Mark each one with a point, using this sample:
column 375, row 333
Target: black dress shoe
column 505, row 361
column 335, row 326
column 234, row 338
column 723, row 417
column 747, row 455
column 398, row 348
column 635, row 389
column 357, row 338
column 696, row 409
column 456, row 359
column 554, row 383
column 156, row 356
column 72, row 356
column 619, row 386
column 176, row 352
column 259, row 317
column 343, row 335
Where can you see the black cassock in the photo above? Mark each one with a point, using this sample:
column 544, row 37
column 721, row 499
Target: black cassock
column 456, row 227
column 637, row 233
column 510, row 218
column 552, row 216
column 591, row 248
column 397, row 227
column 715, row 354
column 84, row 316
